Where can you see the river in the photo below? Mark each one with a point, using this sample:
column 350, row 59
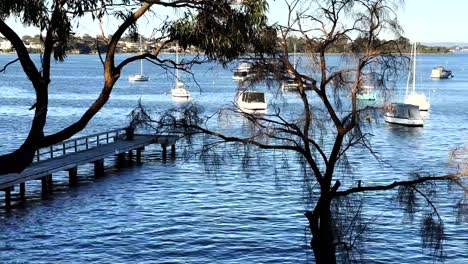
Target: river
column 177, row 212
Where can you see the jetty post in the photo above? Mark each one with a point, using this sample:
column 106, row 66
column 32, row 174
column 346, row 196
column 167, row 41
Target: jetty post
column 69, row 154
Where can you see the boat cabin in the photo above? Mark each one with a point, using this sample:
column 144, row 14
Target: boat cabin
column 253, row 97
column 404, row 114
column 252, row 102
column 439, row 72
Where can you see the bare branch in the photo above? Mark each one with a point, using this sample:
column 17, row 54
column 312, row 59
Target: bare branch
column 360, row 189
column 8, row 64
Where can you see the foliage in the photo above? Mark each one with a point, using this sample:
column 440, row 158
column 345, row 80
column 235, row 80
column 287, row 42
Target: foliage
column 55, row 22
column 331, row 121
column 225, row 32
column 55, row 17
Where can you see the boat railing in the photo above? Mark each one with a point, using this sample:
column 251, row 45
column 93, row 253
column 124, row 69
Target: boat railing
column 79, row 144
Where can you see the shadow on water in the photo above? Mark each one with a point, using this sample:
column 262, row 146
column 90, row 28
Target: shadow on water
column 400, row 131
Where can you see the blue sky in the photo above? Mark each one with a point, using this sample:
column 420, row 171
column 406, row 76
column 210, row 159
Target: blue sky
column 422, row 20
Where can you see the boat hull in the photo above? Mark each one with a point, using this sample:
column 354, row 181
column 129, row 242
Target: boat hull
column 441, row 76
column 404, row 121
column 138, row 78
column 180, row 93
column 252, row 102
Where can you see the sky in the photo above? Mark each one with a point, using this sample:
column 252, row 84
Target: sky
column 422, row 20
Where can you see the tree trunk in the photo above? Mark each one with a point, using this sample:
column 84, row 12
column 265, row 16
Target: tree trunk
column 320, row 223
column 16, row 161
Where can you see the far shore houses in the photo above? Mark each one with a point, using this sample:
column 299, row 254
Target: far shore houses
column 86, row 45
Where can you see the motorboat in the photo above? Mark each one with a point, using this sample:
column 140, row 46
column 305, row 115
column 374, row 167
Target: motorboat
column 289, row 84
column 242, row 72
column 404, row 114
column 439, row 72
column 366, row 92
column 179, row 90
column 412, row 97
column 140, row 77
column 252, row 102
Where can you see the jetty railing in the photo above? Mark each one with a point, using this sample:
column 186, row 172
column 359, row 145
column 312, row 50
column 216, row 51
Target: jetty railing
column 79, row 144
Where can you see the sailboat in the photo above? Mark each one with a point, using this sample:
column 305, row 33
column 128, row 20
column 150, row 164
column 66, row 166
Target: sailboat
column 290, row 84
column 179, row 90
column 139, row 77
column 412, row 97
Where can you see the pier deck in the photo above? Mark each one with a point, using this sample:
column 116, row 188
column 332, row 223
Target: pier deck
column 68, row 155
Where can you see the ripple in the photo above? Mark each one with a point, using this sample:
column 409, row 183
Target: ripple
column 176, row 212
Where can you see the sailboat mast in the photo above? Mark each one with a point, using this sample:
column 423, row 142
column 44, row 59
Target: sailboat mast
column 294, row 58
column 414, row 68
column 177, row 62
column 409, row 71
column 141, row 61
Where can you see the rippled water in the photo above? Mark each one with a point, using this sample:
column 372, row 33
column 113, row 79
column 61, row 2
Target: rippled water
column 176, row 212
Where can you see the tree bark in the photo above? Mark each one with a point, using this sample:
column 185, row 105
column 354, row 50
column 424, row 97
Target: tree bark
column 320, row 223
column 19, row 159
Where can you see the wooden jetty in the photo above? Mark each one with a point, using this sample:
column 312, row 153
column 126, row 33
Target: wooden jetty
column 69, row 154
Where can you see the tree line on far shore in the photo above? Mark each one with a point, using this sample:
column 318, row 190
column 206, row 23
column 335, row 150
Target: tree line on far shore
column 87, row 44
column 345, row 45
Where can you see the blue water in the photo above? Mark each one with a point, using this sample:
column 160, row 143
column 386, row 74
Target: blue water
column 177, row 212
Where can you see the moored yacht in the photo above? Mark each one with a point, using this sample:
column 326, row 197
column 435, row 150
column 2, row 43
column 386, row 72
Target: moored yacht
column 412, row 97
column 242, row 72
column 179, row 90
column 289, row 84
column 418, row 99
column 141, row 77
column 439, row 72
column 404, row 114
column 252, row 102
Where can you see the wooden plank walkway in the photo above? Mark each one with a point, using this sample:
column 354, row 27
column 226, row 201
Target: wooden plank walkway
column 68, row 155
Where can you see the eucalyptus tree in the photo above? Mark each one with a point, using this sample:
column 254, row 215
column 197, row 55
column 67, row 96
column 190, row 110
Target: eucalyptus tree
column 219, row 28
column 331, row 122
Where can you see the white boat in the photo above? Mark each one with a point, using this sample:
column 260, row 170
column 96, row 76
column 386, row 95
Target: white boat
column 138, row 78
column 289, row 83
column 179, row 90
column 440, row 72
column 252, row 102
column 242, row 72
column 412, row 97
column 366, row 92
column 404, row 114
column 141, row 77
